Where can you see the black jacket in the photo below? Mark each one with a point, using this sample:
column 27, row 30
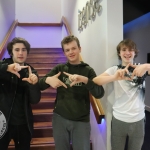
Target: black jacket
column 73, row 103
column 8, row 87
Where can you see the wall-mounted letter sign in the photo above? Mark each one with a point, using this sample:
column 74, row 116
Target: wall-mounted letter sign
column 88, row 12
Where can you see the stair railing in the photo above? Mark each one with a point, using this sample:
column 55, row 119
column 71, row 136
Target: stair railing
column 65, row 23
column 95, row 103
column 7, row 37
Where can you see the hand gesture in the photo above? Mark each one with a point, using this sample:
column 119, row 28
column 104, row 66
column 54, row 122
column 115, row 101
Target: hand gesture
column 139, row 70
column 54, row 81
column 32, row 79
column 75, row 78
column 123, row 74
column 15, row 68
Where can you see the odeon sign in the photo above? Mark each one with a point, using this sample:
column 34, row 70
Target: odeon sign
column 88, row 13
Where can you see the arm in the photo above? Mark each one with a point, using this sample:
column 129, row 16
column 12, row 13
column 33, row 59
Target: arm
column 105, row 78
column 32, row 86
column 12, row 68
column 42, row 82
column 140, row 70
column 54, row 81
column 51, row 79
column 96, row 90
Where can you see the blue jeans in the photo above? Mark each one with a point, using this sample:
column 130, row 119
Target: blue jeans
column 67, row 131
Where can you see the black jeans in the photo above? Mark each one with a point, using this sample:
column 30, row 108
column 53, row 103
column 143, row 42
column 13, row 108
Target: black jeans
column 21, row 136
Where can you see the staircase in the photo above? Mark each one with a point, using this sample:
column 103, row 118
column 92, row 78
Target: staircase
column 43, row 60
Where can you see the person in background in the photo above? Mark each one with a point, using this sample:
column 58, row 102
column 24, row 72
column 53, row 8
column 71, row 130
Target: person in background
column 73, row 81
column 18, row 89
column 128, row 109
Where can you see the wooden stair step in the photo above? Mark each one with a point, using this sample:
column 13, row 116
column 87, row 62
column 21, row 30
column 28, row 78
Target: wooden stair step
column 42, row 111
column 44, row 104
column 43, row 132
column 38, row 141
column 46, row 54
column 46, row 68
column 50, row 90
column 44, row 65
column 41, row 63
column 38, row 147
column 41, row 75
column 47, row 99
column 42, row 129
column 44, row 50
column 42, row 124
column 46, row 143
column 46, row 60
column 41, row 144
column 48, row 94
column 43, row 71
column 42, row 115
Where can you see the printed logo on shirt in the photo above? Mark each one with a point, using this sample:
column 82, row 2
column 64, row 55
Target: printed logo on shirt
column 67, row 81
column 3, row 125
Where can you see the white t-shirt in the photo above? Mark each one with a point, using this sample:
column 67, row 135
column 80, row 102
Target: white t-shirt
column 129, row 99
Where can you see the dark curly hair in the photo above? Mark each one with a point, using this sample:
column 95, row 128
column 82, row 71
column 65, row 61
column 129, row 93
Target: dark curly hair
column 69, row 39
column 130, row 44
column 17, row 40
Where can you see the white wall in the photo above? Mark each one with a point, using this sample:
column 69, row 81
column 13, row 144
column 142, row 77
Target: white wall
column 7, row 16
column 139, row 31
column 42, row 37
column 98, row 41
column 43, row 11
column 39, row 11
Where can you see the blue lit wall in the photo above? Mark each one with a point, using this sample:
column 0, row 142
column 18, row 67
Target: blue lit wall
column 139, row 31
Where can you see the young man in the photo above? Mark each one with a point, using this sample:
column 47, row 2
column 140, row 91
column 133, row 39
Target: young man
column 18, row 89
column 73, row 81
column 128, row 109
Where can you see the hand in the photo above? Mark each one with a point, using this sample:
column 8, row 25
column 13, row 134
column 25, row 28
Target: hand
column 32, row 79
column 54, row 81
column 123, row 74
column 139, row 70
column 75, row 78
column 15, row 68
